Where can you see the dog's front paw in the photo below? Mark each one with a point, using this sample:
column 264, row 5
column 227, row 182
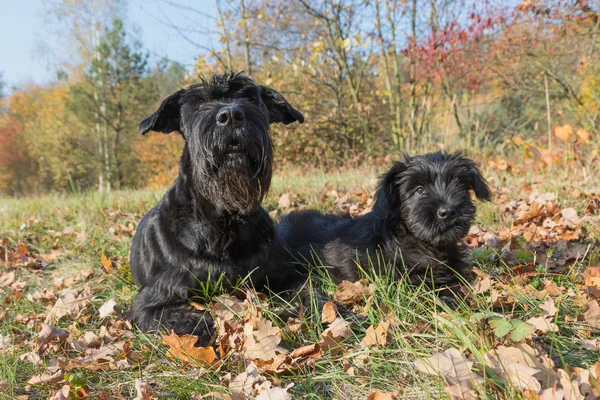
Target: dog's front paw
column 192, row 322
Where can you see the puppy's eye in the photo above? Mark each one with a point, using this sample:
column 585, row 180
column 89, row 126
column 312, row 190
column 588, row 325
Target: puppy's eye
column 421, row 190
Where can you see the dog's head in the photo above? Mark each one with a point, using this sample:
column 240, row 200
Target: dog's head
column 225, row 123
column 433, row 195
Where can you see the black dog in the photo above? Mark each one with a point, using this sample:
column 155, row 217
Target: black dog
column 210, row 223
column 422, row 208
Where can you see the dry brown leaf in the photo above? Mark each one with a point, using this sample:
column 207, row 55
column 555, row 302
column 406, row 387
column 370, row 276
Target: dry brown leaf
column 50, row 338
column 552, row 289
column 70, row 304
column 7, row 278
column 227, row 308
column 455, row 369
column 483, row 286
column 251, row 384
column 377, row 336
column 382, row 396
column 308, row 350
column 351, row 293
column 183, row 348
column 548, row 308
column 520, row 367
column 262, row 341
column 592, row 279
column 591, row 315
column 143, row 390
column 542, row 325
column 56, row 377
column 107, row 309
column 284, row 201
column 332, row 337
column 63, row 394
column 89, row 341
column 329, row 313
column 114, row 356
column 214, row 396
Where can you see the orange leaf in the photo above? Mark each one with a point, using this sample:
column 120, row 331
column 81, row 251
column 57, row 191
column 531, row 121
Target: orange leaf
column 183, row 348
column 106, row 263
column 583, row 135
column 563, row 132
column 382, row 396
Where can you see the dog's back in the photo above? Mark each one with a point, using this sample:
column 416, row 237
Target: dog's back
column 309, row 230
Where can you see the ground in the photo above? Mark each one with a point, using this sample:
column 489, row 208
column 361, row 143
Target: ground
column 527, row 327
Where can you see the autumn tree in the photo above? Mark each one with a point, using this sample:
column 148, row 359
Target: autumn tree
column 115, row 95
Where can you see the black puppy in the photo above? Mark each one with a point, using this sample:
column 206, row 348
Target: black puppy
column 210, row 223
column 422, row 208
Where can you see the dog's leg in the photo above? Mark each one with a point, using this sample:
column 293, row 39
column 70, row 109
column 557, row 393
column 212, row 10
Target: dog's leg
column 163, row 304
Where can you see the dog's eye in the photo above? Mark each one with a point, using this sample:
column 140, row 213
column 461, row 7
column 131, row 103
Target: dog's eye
column 421, row 190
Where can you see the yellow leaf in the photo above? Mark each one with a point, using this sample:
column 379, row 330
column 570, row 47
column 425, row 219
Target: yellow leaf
column 583, row 135
column 563, row 132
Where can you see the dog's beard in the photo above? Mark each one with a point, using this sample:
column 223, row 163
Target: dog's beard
column 236, row 183
column 422, row 222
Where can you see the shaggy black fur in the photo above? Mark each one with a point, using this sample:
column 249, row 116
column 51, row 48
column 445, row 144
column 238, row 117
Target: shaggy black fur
column 422, row 208
column 210, row 222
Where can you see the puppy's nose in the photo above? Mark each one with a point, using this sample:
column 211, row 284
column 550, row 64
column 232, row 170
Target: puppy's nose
column 446, row 212
column 232, row 116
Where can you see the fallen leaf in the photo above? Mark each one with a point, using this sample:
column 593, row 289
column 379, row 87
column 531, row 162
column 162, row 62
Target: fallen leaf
column 262, row 341
column 107, row 309
column 7, row 278
column 106, row 263
column 583, row 135
column 591, row 315
column 381, row 396
column 350, row 293
column 56, row 377
column 563, row 132
column 519, row 367
column 183, row 348
column 70, row 304
column 377, row 336
column 549, row 308
column 284, row 201
column 143, row 390
column 329, row 313
column 50, row 338
column 542, row 325
column 309, row 349
column 455, row 369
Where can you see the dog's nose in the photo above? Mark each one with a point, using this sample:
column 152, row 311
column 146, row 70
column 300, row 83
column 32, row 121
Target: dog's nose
column 446, row 212
column 230, row 116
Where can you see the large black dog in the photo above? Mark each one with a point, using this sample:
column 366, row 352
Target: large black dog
column 422, row 208
column 210, row 223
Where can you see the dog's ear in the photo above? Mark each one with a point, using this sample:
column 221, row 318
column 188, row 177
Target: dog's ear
column 279, row 109
column 477, row 182
column 167, row 118
column 386, row 196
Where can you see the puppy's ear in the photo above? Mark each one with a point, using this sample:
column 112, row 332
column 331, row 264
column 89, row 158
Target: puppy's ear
column 279, row 109
column 167, row 118
column 386, row 196
column 477, row 182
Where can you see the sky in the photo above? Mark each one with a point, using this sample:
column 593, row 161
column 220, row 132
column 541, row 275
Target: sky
column 24, row 29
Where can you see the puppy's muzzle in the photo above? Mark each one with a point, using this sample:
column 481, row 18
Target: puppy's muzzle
column 446, row 213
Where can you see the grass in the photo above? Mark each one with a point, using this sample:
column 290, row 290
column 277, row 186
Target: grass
column 425, row 325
